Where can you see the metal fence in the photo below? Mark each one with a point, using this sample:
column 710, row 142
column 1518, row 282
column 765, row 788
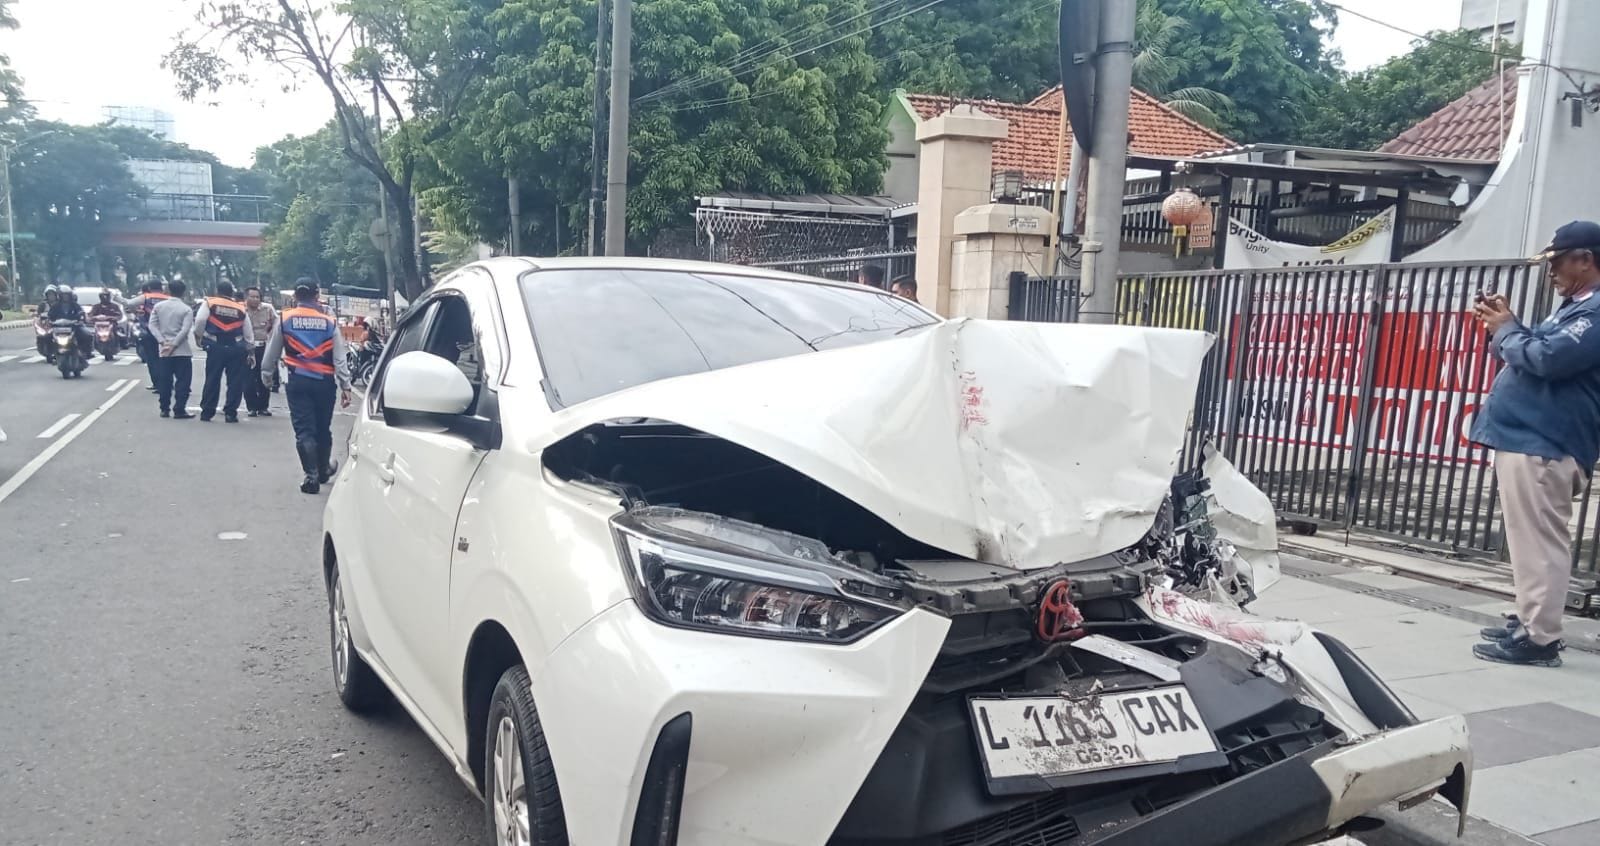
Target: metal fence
column 1345, row 393
column 845, row 267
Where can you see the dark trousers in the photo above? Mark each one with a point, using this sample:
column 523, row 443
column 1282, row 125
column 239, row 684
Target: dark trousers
column 224, row 360
column 311, row 414
column 173, row 375
column 255, row 393
column 150, row 352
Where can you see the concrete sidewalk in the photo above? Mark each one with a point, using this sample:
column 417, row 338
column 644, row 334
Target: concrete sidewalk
column 1535, row 731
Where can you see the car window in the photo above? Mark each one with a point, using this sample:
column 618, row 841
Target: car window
column 603, row 330
column 454, row 337
column 408, row 336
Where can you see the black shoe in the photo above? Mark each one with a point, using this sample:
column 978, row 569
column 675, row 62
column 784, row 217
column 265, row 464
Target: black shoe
column 206, row 418
column 251, row 413
column 182, row 415
column 310, row 485
column 165, row 413
column 1495, row 634
column 1521, row 650
column 263, row 413
column 328, row 471
column 230, row 418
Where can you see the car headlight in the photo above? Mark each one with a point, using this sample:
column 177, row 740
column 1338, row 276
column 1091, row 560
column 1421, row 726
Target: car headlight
column 703, row 572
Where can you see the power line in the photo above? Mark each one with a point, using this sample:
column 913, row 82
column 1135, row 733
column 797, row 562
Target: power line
column 868, row 28
column 1564, row 71
column 755, row 54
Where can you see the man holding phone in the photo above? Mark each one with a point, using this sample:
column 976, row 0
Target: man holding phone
column 1542, row 419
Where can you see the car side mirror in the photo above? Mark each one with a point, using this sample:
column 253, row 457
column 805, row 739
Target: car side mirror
column 425, row 392
column 425, row 383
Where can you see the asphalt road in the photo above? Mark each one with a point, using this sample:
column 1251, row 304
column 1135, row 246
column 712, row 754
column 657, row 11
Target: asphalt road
column 160, row 684
column 164, row 683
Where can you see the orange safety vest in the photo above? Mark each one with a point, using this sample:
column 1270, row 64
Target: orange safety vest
column 226, row 319
column 307, row 342
column 148, row 304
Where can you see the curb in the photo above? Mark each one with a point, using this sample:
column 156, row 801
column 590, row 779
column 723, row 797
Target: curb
column 15, row 324
column 1433, row 823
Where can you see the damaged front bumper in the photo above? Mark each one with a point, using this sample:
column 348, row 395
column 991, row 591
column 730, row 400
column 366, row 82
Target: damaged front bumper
column 1314, row 794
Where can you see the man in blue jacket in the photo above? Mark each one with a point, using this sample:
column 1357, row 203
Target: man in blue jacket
column 1542, row 418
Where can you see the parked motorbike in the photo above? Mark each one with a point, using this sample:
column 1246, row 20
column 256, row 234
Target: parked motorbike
column 364, row 360
column 41, row 338
column 106, row 342
column 70, row 359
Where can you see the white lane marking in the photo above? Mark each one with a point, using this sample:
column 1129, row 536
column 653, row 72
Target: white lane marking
column 6, row 358
column 21, row 580
column 115, row 385
column 27, row 470
column 59, row 425
column 33, row 360
column 124, row 362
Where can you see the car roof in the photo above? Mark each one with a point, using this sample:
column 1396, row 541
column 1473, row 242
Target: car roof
column 512, row 268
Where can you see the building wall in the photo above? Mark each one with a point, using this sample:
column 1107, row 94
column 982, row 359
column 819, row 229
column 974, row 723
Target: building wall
column 900, row 179
column 1479, row 15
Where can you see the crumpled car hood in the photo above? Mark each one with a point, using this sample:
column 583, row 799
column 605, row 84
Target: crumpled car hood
column 1020, row 444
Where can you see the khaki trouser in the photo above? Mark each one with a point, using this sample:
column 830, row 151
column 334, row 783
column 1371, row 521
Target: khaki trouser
column 1536, row 495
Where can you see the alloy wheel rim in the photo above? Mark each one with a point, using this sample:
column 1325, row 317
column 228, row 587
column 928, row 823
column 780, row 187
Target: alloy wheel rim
column 511, row 825
column 341, row 636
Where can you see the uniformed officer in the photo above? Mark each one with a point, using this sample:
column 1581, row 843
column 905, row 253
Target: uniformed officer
column 312, row 349
column 222, row 327
column 142, row 305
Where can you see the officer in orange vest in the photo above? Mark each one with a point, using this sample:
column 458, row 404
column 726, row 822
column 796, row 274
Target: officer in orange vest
column 222, row 328
column 141, row 306
column 308, row 340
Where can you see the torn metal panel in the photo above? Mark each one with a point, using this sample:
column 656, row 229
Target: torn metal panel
column 1244, row 517
column 1019, row 444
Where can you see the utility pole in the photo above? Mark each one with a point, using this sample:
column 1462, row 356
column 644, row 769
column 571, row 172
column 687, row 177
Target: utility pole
column 11, row 225
column 514, row 205
column 1108, row 163
column 617, row 152
column 597, row 150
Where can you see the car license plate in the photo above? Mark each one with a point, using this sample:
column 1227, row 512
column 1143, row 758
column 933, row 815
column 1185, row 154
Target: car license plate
column 1051, row 736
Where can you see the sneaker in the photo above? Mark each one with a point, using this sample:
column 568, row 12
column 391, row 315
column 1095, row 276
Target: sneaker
column 310, row 485
column 1520, row 650
column 1494, row 634
column 328, row 472
column 182, row 415
column 263, row 413
column 230, row 418
column 206, row 418
column 251, row 413
column 165, row 413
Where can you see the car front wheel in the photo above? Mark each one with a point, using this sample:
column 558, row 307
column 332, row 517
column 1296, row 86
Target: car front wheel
column 522, row 802
column 358, row 687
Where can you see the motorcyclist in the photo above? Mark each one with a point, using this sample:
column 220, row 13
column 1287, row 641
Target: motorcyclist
column 67, row 308
column 51, row 297
column 106, row 308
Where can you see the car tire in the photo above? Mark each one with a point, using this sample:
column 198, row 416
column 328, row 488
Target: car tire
column 513, row 727
column 358, row 687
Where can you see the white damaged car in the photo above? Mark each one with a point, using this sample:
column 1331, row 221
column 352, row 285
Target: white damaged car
column 662, row 552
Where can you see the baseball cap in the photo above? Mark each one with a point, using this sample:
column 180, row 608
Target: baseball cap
column 304, row 287
column 1577, row 235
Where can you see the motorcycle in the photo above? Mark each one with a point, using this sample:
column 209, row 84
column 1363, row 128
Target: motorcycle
column 106, row 342
column 364, row 361
column 70, row 360
column 41, row 339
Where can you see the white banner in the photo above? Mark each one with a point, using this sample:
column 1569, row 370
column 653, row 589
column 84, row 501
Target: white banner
column 1367, row 244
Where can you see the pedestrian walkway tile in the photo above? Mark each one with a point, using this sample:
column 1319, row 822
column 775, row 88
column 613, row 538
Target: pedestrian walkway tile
column 1330, row 609
column 1382, row 581
column 1522, row 733
column 1407, row 659
column 1455, row 597
column 1495, row 686
column 1544, row 794
column 1583, row 834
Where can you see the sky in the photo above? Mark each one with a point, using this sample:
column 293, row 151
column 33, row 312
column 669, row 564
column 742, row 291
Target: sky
column 78, row 55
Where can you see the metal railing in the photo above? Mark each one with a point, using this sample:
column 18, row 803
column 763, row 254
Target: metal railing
column 845, row 267
column 1345, row 393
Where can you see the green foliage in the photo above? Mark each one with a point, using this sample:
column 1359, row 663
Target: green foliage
column 1161, row 68
column 66, row 181
column 779, row 122
column 1001, row 49
column 1371, row 107
column 327, row 203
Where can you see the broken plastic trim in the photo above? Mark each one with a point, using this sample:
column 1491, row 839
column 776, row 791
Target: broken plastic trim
column 697, row 571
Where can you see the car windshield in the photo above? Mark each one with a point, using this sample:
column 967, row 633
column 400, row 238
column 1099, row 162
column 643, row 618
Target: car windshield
column 603, row 330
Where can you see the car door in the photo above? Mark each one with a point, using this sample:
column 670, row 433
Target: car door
column 422, row 478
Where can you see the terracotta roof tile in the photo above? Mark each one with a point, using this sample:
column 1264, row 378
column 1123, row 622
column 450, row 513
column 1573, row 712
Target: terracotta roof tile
column 1471, row 127
column 1030, row 144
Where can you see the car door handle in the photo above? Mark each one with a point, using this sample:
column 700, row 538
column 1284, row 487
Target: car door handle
column 386, row 470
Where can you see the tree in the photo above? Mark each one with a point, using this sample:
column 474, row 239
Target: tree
column 729, row 95
column 66, row 182
column 1001, row 49
column 1373, row 106
column 14, row 108
column 1159, row 66
column 326, row 203
column 1268, row 57
column 433, row 48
